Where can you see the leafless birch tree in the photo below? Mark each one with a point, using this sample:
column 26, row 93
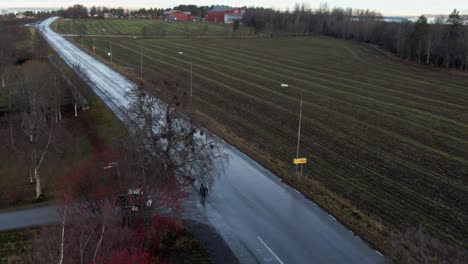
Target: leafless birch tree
column 32, row 131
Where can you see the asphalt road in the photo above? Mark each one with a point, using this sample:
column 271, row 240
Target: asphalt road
column 260, row 218
column 30, row 217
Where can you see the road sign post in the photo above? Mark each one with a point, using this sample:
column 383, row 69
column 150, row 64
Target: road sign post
column 94, row 46
column 301, row 162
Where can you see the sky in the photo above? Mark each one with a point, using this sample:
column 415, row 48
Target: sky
column 387, row 7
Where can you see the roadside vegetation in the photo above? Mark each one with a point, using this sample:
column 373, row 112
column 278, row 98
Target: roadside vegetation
column 386, row 140
column 131, row 191
column 40, row 138
column 50, row 151
column 15, row 243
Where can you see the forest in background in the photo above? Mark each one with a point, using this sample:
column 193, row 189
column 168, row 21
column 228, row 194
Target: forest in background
column 442, row 43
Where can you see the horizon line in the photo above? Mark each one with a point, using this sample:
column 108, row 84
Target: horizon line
column 29, row 8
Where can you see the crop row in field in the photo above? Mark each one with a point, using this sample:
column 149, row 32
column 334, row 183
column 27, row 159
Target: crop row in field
column 145, row 27
column 392, row 138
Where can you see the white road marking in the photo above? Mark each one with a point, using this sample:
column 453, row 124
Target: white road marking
column 379, row 253
column 332, row 217
column 297, row 191
column 269, row 249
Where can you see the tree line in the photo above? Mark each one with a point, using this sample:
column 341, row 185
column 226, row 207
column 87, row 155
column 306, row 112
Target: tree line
column 443, row 43
column 80, row 11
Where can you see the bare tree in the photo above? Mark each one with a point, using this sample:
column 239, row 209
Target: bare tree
column 57, row 100
column 419, row 34
column 76, row 96
column 95, row 225
column 168, row 138
column 36, row 132
column 86, row 235
column 62, row 244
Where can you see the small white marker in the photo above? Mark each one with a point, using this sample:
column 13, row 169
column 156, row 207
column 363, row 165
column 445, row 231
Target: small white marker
column 379, row 253
column 297, row 191
column 332, row 217
column 269, row 249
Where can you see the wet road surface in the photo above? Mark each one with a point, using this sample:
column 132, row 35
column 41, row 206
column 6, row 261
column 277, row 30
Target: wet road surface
column 259, row 217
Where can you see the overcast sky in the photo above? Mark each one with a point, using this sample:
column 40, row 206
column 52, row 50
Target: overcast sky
column 388, row 7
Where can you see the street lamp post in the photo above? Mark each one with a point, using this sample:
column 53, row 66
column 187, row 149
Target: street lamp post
column 141, row 65
column 191, row 80
column 191, row 84
column 298, row 130
column 110, row 53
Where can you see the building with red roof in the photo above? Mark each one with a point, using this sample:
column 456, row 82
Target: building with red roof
column 176, row 15
column 225, row 14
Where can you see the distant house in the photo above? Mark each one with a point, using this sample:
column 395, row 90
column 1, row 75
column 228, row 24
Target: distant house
column 225, row 14
column 23, row 16
column 384, row 19
column 176, row 15
column 395, row 19
column 108, row 15
column 231, row 18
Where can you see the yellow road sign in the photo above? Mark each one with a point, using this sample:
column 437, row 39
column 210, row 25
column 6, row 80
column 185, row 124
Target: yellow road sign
column 300, row 161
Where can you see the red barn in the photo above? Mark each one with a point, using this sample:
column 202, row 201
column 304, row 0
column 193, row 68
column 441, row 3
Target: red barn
column 225, row 14
column 176, row 15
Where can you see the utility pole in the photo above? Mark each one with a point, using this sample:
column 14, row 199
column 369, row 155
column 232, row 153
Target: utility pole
column 110, row 53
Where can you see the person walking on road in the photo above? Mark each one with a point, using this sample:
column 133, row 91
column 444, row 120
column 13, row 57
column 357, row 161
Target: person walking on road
column 203, row 192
